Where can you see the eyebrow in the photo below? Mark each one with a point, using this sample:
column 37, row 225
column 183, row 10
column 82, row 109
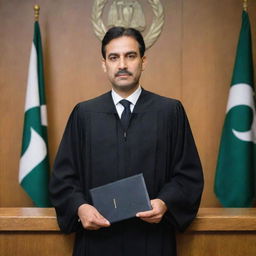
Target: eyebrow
column 118, row 54
column 131, row 52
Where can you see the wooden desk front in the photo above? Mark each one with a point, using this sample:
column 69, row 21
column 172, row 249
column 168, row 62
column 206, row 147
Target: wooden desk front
column 215, row 232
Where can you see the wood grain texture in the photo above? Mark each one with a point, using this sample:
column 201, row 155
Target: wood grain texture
column 208, row 219
column 215, row 232
column 28, row 219
column 35, row 243
column 224, row 219
column 216, row 244
column 188, row 244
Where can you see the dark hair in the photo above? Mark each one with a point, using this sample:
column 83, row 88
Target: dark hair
column 116, row 32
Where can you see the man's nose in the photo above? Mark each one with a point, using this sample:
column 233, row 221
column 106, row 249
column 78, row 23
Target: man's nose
column 122, row 63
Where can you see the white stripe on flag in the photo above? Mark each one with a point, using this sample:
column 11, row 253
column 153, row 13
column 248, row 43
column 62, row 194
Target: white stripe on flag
column 34, row 155
column 32, row 96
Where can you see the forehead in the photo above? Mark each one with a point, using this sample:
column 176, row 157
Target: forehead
column 122, row 45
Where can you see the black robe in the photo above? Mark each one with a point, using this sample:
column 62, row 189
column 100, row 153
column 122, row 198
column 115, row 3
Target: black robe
column 95, row 150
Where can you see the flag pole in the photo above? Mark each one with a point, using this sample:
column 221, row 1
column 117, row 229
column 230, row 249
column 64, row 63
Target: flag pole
column 245, row 5
column 36, row 12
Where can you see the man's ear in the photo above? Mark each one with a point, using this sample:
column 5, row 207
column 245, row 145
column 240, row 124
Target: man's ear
column 144, row 62
column 103, row 64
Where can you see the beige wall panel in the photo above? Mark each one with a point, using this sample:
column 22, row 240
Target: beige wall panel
column 15, row 33
column 191, row 61
column 163, row 71
column 211, row 30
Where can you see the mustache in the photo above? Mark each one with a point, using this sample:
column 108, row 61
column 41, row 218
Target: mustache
column 123, row 72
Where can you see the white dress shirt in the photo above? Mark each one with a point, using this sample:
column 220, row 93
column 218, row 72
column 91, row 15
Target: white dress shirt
column 132, row 98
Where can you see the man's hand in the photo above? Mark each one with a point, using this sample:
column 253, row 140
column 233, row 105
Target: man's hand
column 91, row 219
column 155, row 215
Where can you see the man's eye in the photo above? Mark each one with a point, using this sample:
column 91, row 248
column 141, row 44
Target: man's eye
column 112, row 58
column 131, row 56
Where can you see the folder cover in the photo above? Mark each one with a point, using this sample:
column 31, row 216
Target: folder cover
column 121, row 199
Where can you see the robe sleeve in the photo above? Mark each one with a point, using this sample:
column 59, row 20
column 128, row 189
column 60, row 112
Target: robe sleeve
column 65, row 187
column 182, row 194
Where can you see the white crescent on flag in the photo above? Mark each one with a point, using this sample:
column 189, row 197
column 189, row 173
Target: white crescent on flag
column 243, row 94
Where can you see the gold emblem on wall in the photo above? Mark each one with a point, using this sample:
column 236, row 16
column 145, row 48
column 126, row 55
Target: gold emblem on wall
column 128, row 13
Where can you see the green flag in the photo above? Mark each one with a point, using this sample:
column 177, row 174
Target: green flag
column 34, row 163
column 235, row 173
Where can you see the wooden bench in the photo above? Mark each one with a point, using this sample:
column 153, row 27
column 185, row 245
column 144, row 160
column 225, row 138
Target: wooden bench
column 215, row 232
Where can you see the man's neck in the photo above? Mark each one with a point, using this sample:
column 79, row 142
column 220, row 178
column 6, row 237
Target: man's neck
column 125, row 94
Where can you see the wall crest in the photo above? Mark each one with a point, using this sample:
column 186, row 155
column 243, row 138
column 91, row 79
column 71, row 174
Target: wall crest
column 128, row 13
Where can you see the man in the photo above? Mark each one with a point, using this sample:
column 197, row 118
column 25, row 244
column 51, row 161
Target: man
column 98, row 148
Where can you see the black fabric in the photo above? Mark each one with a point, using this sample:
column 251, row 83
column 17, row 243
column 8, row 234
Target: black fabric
column 126, row 114
column 94, row 152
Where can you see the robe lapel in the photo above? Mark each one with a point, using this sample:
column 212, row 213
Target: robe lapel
column 144, row 103
column 105, row 104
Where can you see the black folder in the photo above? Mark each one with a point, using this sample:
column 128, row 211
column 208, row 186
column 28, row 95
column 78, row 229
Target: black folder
column 121, row 199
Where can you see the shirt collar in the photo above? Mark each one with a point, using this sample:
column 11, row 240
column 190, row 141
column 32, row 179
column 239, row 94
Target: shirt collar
column 132, row 98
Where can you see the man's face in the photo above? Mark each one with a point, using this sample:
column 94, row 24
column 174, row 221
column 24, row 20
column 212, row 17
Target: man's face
column 123, row 63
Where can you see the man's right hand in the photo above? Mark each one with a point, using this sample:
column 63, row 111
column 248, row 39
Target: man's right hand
column 91, row 219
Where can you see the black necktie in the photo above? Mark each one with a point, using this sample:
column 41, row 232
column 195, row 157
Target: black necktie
column 126, row 115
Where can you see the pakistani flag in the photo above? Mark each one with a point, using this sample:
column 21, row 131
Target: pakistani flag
column 235, row 173
column 34, row 164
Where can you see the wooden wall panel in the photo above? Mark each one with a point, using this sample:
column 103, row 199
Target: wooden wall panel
column 210, row 30
column 191, row 61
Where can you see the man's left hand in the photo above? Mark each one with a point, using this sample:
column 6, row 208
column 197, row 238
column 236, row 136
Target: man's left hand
column 155, row 215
